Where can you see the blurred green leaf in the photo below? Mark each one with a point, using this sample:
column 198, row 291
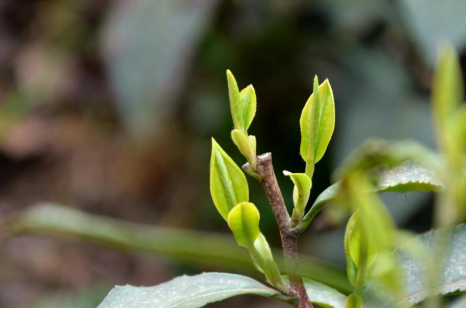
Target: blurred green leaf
column 448, row 90
column 187, row 246
column 227, row 182
column 432, row 22
column 322, row 295
column 186, row 292
column 244, row 222
column 357, row 249
column 354, row 301
column 407, row 176
column 451, row 270
column 317, row 123
column 148, row 47
column 370, row 232
column 378, row 152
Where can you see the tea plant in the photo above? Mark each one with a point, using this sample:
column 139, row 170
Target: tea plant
column 386, row 267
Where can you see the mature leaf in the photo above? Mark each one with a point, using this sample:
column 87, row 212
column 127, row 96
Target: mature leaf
column 407, row 176
column 354, row 301
column 185, row 246
column 317, row 122
column 451, row 270
column 149, row 69
column 301, row 192
column 321, row 294
column 378, row 152
column 227, row 182
column 244, row 222
column 186, row 292
column 242, row 104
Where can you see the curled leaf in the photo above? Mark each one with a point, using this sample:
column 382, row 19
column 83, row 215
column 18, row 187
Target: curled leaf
column 243, row 220
column 317, row 122
column 354, row 301
column 228, row 184
column 301, row 193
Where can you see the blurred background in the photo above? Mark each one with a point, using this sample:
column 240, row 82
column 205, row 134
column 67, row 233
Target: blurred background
column 109, row 107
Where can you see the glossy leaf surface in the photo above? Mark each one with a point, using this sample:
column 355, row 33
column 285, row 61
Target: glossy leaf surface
column 186, row 292
column 407, row 176
column 451, row 270
column 227, row 182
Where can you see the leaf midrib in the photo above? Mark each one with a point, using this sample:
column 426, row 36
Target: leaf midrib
column 250, row 291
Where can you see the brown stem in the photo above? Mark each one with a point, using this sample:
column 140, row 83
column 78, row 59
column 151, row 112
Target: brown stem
column 289, row 239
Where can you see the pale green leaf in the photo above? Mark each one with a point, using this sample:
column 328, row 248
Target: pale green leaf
column 248, row 100
column 186, row 292
column 227, row 182
column 450, row 269
column 357, row 246
column 242, row 104
column 235, row 103
column 317, row 123
column 243, row 220
column 354, row 301
column 321, row 294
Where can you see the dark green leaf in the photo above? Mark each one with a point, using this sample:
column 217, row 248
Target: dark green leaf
column 186, row 292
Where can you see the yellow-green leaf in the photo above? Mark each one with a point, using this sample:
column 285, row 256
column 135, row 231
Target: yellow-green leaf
column 242, row 104
column 317, row 122
column 360, row 252
column 244, row 222
column 227, row 182
column 447, row 86
column 301, row 193
column 243, row 144
column 248, row 99
column 354, row 301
